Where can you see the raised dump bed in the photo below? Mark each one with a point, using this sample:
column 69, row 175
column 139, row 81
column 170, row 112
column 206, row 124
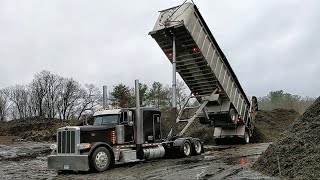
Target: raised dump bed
column 205, row 70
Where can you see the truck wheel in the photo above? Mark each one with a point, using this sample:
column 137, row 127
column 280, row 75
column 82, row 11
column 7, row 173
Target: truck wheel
column 100, row 159
column 246, row 138
column 233, row 115
column 185, row 149
column 196, row 147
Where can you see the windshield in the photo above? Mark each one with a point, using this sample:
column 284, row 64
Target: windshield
column 106, row 119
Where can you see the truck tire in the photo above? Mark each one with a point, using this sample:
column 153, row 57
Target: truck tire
column 185, row 149
column 100, row 159
column 196, row 147
column 246, row 138
column 233, row 115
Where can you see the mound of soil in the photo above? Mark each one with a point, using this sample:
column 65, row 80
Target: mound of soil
column 34, row 129
column 296, row 154
column 269, row 124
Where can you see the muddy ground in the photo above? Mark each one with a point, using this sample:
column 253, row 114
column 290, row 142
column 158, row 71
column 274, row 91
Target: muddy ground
column 27, row 160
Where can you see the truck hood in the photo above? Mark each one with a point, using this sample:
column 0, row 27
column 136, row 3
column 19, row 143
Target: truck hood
column 97, row 127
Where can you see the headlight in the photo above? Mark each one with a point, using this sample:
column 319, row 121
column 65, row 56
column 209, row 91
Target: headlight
column 53, row 146
column 84, row 146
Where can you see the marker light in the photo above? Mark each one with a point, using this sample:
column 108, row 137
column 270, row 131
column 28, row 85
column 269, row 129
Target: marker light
column 195, row 50
column 219, row 90
column 84, row 146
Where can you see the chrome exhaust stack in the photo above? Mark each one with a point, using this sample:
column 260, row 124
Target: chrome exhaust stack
column 105, row 97
column 139, row 122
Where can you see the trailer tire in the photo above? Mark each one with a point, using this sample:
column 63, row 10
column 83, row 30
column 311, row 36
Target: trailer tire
column 246, row 138
column 185, row 149
column 100, row 159
column 233, row 115
column 196, row 147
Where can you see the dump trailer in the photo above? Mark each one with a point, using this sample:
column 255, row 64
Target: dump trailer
column 189, row 45
column 117, row 136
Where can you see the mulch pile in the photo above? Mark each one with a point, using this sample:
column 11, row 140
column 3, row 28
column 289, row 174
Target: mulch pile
column 296, row 154
column 269, row 124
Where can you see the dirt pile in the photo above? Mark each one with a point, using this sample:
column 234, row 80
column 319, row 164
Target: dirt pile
column 296, row 154
column 33, row 129
column 269, row 124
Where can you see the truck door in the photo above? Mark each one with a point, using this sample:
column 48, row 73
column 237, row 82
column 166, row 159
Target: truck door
column 156, row 127
column 128, row 130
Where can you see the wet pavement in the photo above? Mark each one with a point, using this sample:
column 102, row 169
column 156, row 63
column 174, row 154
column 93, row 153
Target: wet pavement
column 27, row 160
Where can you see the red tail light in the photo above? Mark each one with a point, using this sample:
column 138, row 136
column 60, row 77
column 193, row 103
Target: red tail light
column 195, row 49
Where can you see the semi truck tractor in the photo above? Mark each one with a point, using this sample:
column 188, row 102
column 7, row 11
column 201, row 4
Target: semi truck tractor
column 117, row 136
column 189, row 45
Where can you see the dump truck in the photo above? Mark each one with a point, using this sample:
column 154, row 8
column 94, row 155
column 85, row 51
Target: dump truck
column 134, row 134
column 117, row 136
column 189, row 45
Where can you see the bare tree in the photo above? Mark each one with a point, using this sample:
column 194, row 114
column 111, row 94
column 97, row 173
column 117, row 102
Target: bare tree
column 51, row 97
column 90, row 97
column 180, row 93
column 31, row 103
column 39, row 88
column 19, row 97
column 4, row 105
column 69, row 96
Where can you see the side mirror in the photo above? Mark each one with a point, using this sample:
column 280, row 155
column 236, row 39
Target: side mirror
column 130, row 118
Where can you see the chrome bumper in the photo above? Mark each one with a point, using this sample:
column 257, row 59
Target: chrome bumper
column 69, row 162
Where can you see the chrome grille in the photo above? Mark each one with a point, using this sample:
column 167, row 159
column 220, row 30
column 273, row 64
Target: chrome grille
column 67, row 141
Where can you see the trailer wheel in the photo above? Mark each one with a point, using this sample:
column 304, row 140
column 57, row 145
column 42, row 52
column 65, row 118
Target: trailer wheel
column 246, row 138
column 196, row 147
column 185, row 149
column 233, row 115
column 100, row 159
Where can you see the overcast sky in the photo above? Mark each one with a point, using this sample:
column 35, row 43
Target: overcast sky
column 270, row 44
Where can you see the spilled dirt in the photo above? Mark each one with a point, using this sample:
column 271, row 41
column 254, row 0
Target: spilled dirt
column 27, row 160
